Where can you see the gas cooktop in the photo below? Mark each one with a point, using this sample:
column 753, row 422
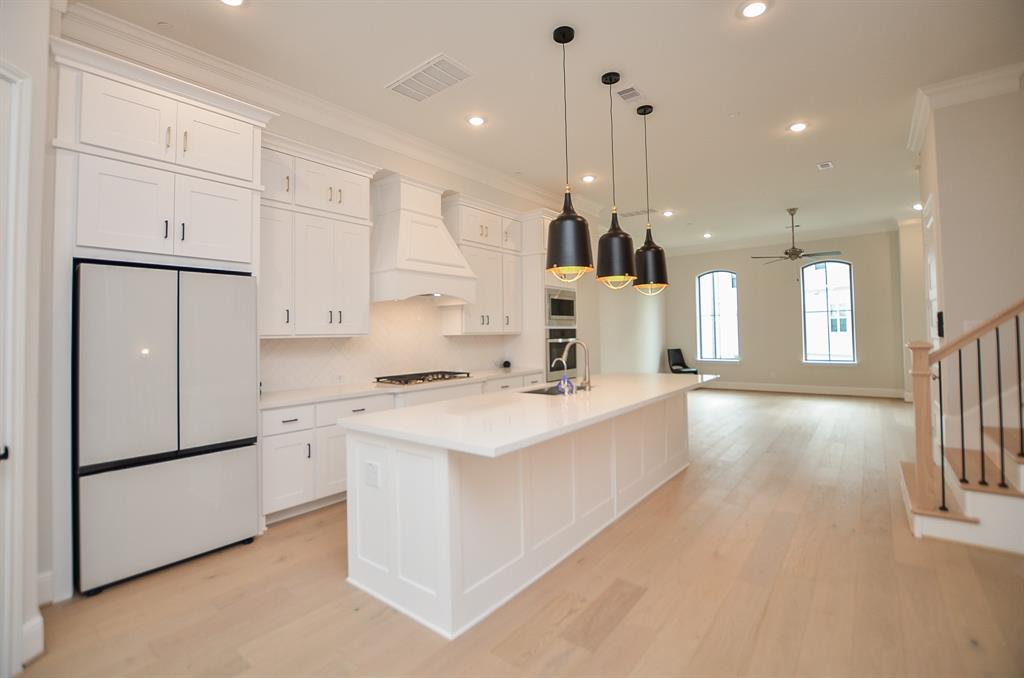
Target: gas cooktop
column 421, row 377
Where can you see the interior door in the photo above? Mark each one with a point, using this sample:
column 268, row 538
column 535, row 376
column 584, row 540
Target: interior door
column 511, row 293
column 214, row 142
column 218, row 383
column 212, row 220
column 352, row 277
column 126, row 118
column 277, row 273
column 127, row 362
column 315, row 294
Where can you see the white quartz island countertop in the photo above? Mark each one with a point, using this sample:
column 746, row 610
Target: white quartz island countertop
column 494, row 424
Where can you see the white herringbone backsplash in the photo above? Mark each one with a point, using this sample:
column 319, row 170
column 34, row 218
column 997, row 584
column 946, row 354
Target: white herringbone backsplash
column 405, row 336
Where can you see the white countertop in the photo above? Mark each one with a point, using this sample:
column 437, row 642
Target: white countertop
column 495, row 424
column 306, row 396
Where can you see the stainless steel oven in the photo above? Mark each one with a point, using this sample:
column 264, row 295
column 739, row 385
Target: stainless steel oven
column 560, row 307
column 558, row 337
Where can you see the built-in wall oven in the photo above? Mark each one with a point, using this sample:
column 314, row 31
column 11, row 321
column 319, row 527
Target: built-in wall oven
column 558, row 337
column 560, row 307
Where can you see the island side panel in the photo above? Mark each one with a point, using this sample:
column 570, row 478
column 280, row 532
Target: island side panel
column 398, row 520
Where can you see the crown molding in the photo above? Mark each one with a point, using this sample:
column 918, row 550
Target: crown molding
column 276, row 142
column 962, row 90
column 101, row 30
column 807, row 239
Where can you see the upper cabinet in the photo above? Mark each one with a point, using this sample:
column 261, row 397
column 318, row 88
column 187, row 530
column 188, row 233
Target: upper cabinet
column 473, row 222
column 214, row 142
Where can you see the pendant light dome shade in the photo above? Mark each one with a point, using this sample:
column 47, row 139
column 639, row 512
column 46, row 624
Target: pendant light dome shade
column 615, row 265
column 651, row 266
column 569, row 255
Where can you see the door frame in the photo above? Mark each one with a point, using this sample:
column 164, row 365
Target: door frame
column 14, row 191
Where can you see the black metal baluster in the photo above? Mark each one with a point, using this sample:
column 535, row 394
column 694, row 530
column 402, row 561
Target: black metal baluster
column 963, row 445
column 942, row 445
column 1020, row 396
column 999, row 400
column 981, row 416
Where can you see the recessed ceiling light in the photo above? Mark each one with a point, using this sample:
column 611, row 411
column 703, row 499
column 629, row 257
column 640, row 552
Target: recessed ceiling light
column 667, row 213
column 754, row 9
column 588, row 178
column 475, row 120
column 707, row 235
column 798, row 127
column 918, row 207
column 232, row 3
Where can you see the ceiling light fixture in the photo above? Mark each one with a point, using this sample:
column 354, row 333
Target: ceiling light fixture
column 232, row 3
column 616, row 267
column 798, row 127
column 569, row 254
column 476, row 120
column 918, row 207
column 651, row 267
column 752, row 10
column 588, row 178
column 707, row 235
column 667, row 213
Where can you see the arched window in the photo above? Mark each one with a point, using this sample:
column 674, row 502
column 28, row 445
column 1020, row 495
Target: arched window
column 827, row 288
column 718, row 322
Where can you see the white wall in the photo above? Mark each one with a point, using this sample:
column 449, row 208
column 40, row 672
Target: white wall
column 771, row 348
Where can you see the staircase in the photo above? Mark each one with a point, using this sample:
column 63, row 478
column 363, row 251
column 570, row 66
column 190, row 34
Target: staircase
column 967, row 481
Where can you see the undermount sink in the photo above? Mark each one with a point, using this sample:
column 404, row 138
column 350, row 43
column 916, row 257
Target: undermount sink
column 550, row 390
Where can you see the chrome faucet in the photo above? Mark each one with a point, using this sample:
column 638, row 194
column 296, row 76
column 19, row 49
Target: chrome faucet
column 585, row 384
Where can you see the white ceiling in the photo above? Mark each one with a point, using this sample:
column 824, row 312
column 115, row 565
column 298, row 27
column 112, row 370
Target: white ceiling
column 724, row 90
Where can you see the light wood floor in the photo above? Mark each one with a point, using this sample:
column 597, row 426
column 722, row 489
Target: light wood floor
column 782, row 551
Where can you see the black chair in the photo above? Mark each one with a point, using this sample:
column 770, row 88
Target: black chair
column 677, row 364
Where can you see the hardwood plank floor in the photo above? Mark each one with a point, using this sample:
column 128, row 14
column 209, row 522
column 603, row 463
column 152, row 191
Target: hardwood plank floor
column 783, row 550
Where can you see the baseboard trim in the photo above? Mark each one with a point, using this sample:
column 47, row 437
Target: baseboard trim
column 45, row 586
column 32, row 638
column 857, row 391
column 285, row 514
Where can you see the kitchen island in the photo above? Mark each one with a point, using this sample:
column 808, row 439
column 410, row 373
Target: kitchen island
column 456, row 506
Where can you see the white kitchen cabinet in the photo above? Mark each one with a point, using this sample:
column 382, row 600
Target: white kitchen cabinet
column 329, row 469
column 212, row 220
column 277, row 171
column 332, row 277
column 331, row 189
column 511, row 234
column 127, row 119
column 214, row 142
column 503, row 384
column 277, row 272
column 534, row 379
column 511, row 293
column 351, row 281
column 475, row 226
column 124, row 206
column 288, row 478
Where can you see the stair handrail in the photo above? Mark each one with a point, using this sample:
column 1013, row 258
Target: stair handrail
column 948, row 348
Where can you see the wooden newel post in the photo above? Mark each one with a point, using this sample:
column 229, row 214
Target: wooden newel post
column 921, row 374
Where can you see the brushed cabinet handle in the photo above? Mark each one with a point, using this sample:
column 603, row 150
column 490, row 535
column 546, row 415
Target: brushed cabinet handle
column 341, row 317
column 184, row 147
column 167, row 141
column 359, row 409
column 330, row 194
column 287, row 183
column 289, row 421
column 505, row 386
column 183, row 231
column 487, row 231
column 309, row 450
column 167, row 229
column 287, row 316
column 339, row 196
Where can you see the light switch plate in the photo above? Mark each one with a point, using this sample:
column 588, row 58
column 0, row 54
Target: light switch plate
column 371, row 475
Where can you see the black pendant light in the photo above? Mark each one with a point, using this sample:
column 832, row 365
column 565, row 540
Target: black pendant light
column 651, row 267
column 615, row 265
column 569, row 255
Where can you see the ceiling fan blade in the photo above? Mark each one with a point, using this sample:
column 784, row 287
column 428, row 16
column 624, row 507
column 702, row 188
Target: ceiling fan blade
column 777, row 260
column 767, row 257
column 821, row 254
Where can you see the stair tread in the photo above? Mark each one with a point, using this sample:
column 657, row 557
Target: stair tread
column 1011, row 441
column 929, row 505
column 974, row 472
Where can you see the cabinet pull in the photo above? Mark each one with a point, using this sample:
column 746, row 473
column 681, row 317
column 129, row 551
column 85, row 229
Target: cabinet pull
column 487, row 231
column 167, row 142
column 184, row 147
column 330, row 194
column 287, row 316
column 309, row 450
column 167, row 229
column 290, row 421
column 481, row 230
column 359, row 409
column 505, row 386
column 183, row 231
column 506, row 319
column 339, row 196
column 341, row 317
column 287, row 183
column 330, row 317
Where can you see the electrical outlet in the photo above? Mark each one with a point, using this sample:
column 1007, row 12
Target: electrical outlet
column 371, row 474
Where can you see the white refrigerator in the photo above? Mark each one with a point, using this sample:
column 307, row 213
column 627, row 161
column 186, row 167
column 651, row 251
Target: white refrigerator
column 165, row 417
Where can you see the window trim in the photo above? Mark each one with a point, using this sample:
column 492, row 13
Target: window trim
column 739, row 352
column 853, row 314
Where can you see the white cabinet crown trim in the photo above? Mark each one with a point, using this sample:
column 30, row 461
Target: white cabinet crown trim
column 282, row 144
column 469, row 201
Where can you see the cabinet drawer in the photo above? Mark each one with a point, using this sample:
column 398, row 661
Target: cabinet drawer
column 127, row 119
column 479, row 226
column 329, row 188
column 328, row 414
column 287, row 419
column 214, row 142
column 533, row 379
column 504, row 384
column 434, row 395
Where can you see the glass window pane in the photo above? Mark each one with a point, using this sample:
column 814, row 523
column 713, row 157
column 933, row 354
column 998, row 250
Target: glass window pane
column 718, row 316
column 828, row 312
column 817, row 336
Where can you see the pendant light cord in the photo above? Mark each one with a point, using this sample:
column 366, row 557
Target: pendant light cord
column 565, row 117
column 647, row 175
column 611, row 119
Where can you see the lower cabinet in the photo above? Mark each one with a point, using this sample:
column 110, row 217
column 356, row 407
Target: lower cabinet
column 329, row 465
column 288, row 478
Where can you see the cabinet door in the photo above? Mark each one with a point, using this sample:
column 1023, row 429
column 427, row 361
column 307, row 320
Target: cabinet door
column 352, row 278
column 511, row 293
column 315, row 294
column 287, row 470
column 511, row 234
column 277, row 275
column 277, row 172
column 127, row 119
column 214, row 142
column 331, row 189
column 485, row 315
column 481, row 227
column 330, row 460
column 212, row 220
column 123, row 206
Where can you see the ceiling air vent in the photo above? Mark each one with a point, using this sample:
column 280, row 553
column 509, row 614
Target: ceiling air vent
column 629, row 94
column 827, row 165
column 429, row 78
column 636, row 213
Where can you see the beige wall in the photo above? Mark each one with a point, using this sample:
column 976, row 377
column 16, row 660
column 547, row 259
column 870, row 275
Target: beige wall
column 771, row 348
column 912, row 292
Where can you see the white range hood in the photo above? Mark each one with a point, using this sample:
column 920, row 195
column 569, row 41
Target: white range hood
column 412, row 252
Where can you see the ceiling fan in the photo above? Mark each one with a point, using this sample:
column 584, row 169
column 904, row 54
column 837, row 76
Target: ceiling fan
column 794, row 253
